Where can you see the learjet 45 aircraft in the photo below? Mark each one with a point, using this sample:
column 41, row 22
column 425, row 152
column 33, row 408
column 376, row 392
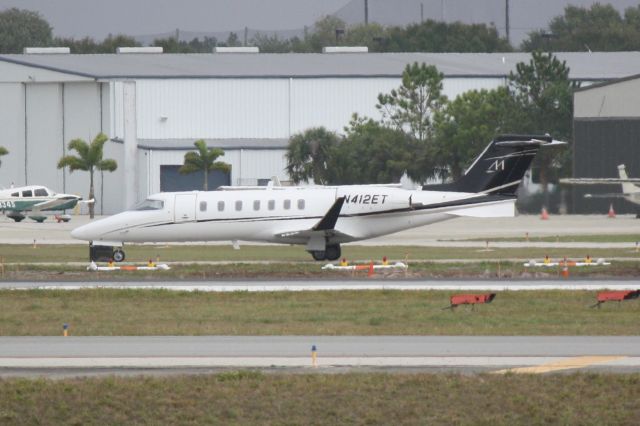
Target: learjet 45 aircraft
column 33, row 200
column 322, row 217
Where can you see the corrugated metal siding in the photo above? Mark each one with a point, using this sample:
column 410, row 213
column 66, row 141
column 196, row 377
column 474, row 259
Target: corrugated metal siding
column 330, row 102
column 612, row 100
column 12, row 134
column 44, row 134
column 81, row 120
column 208, row 108
column 117, row 109
column 113, row 195
column 247, row 166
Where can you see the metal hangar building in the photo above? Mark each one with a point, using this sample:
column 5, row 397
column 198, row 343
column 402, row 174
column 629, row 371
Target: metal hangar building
column 606, row 131
column 153, row 106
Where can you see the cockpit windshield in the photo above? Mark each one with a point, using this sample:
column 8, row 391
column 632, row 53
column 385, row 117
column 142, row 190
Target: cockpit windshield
column 149, row 204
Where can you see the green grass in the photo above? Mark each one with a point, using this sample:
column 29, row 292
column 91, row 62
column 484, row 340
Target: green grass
column 106, row 312
column 354, row 398
column 180, row 253
column 490, row 269
column 595, row 238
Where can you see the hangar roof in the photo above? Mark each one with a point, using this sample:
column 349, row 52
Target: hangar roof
column 596, row 66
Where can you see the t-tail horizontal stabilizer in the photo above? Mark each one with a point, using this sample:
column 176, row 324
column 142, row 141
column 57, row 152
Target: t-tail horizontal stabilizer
column 500, row 167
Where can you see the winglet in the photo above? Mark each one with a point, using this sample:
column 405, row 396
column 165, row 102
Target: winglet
column 329, row 220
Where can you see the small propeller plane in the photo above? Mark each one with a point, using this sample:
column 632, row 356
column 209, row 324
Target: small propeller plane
column 33, row 200
column 321, row 217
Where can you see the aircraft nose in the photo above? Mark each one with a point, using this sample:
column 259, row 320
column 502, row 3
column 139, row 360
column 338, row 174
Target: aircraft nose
column 83, row 232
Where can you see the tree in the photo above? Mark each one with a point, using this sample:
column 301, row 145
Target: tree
column 89, row 159
column 3, row 151
column 410, row 108
column 371, row 153
column 598, row 28
column 544, row 95
column 466, row 124
column 327, row 31
column 309, row 155
column 204, row 159
column 436, row 36
column 22, row 28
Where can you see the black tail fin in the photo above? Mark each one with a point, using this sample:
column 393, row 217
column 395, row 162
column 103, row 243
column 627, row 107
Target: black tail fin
column 500, row 167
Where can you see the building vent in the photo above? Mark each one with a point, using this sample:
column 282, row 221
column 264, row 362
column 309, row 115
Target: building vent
column 239, row 49
column 148, row 49
column 46, row 50
column 345, row 49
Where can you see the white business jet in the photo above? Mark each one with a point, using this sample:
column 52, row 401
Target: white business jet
column 322, row 217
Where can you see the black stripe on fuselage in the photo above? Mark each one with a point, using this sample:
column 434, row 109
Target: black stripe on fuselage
column 417, row 207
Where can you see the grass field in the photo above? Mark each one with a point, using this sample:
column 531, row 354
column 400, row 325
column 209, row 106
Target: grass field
column 386, row 312
column 595, row 238
column 357, row 398
column 489, row 269
column 184, row 253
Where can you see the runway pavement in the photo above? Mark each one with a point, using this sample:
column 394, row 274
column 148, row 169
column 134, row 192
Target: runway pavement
column 326, row 285
column 538, row 354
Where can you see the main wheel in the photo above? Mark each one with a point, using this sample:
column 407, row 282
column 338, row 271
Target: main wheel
column 318, row 255
column 118, row 255
column 333, row 252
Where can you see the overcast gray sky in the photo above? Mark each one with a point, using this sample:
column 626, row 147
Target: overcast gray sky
column 98, row 18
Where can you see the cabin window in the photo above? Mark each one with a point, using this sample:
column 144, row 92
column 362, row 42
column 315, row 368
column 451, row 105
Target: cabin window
column 300, row 204
column 238, row 205
column 287, row 204
column 27, row 193
column 203, row 206
column 256, row 205
column 15, row 194
column 150, row 205
column 41, row 192
column 220, row 206
column 271, row 204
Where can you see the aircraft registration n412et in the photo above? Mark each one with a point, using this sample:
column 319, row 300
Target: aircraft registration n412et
column 33, row 200
column 322, row 217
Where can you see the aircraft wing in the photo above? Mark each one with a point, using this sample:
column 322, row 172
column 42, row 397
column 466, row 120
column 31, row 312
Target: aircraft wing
column 324, row 228
column 50, row 204
column 611, row 195
column 597, row 181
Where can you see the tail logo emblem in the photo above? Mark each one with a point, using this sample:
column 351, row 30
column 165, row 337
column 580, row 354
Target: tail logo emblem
column 496, row 166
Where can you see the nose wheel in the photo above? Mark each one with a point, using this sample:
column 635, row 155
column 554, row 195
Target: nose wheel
column 118, row 255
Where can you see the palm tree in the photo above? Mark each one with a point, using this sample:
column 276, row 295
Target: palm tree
column 89, row 159
column 3, row 151
column 204, row 159
column 308, row 154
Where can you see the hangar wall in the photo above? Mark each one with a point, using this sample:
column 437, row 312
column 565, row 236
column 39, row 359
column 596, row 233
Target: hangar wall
column 606, row 134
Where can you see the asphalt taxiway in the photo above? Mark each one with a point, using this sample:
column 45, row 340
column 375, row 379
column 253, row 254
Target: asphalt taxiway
column 531, row 354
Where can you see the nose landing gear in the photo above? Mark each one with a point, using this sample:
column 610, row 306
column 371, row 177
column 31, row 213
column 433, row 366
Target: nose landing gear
column 98, row 253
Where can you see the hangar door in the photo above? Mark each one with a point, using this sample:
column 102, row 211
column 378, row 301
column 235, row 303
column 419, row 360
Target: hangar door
column 172, row 181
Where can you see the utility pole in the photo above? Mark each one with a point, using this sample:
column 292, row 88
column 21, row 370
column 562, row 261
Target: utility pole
column 366, row 12
column 421, row 13
column 506, row 19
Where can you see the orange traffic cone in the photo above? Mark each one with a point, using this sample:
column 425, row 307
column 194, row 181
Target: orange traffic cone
column 544, row 215
column 370, row 273
column 612, row 213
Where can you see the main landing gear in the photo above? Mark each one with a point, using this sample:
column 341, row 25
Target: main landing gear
column 331, row 252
